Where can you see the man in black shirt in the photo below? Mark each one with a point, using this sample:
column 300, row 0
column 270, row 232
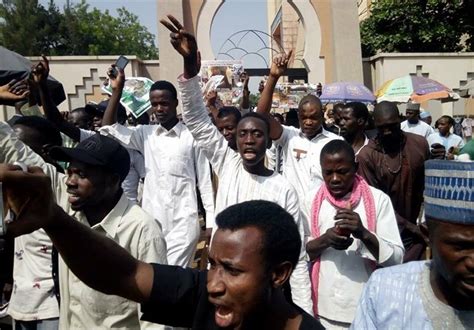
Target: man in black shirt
column 252, row 255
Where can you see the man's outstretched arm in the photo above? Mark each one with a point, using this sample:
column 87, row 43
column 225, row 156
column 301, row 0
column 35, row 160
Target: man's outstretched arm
column 116, row 82
column 279, row 65
column 40, row 75
column 95, row 259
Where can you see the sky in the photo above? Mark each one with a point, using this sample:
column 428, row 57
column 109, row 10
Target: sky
column 232, row 17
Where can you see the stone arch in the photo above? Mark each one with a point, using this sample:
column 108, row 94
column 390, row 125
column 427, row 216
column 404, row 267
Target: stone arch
column 206, row 16
column 306, row 12
column 311, row 60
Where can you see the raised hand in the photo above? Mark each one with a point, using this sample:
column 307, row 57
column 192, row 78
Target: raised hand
column 116, row 78
column 40, row 71
column 211, row 98
column 185, row 44
column 183, row 41
column 279, row 64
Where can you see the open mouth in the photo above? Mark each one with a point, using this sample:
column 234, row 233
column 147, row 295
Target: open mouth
column 73, row 198
column 468, row 281
column 223, row 316
column 249, row 154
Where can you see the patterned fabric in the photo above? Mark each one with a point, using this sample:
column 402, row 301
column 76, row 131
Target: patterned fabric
column 449, row 193
column 401, row 297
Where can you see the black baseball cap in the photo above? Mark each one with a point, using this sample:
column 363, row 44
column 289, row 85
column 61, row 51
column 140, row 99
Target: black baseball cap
column 94, row 109
column 98, row 150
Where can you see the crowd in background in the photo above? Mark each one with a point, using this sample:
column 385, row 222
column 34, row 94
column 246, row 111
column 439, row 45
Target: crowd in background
column 327, row 216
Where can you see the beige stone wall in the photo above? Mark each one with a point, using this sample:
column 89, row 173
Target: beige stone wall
column 363, row 8
column 82, row 77
column 451, row 69
column 338, row 54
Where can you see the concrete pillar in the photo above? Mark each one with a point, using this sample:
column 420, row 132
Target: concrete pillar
column 171, row 63
column 347, row 54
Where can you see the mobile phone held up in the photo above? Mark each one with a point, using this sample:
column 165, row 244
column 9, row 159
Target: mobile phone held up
column 121, row 63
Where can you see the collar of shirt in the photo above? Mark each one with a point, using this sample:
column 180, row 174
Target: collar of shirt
column 112, row 220
column 318, row 136
column 366, row 142
column 176, row 130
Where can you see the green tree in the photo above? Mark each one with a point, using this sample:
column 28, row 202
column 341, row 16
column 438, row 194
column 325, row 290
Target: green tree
column 417, row 26
column 18, row 19
column 30, row 29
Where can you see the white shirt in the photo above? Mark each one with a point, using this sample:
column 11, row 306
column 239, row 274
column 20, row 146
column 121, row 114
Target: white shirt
column 343, row 273
column 452, row 140
column 366, row 142
column 33, row 295
column 174, row 167
column 402, row 297
column 301, row 165
column 420, row 128
column 127, row 224
column 236, row 185
column 136, row 172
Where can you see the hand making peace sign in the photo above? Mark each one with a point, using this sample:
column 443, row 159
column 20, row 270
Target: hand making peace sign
column 185, row 43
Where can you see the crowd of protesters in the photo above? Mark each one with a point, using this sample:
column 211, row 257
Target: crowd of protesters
column 352, row 219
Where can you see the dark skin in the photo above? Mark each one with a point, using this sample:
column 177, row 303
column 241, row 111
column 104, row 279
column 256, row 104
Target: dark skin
column 234, row 283
column 311, row 119
column 92, row 190
column 236, row 261
column 352, row 128
column 452, row 274
column 389, row 137
column 444, row 126
column 338, row 174
column 252, row 142
column 389, row 133
column 163, row 106
column 252, row 139
column 264, row 106
column 413, row 116
column 310, row 114
column 228, row 127
column 80, row 119
column 97, row 122
column 245, row 102
column 39, row 76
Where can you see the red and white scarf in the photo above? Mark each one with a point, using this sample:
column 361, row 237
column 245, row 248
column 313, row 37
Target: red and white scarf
column 360, row 190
